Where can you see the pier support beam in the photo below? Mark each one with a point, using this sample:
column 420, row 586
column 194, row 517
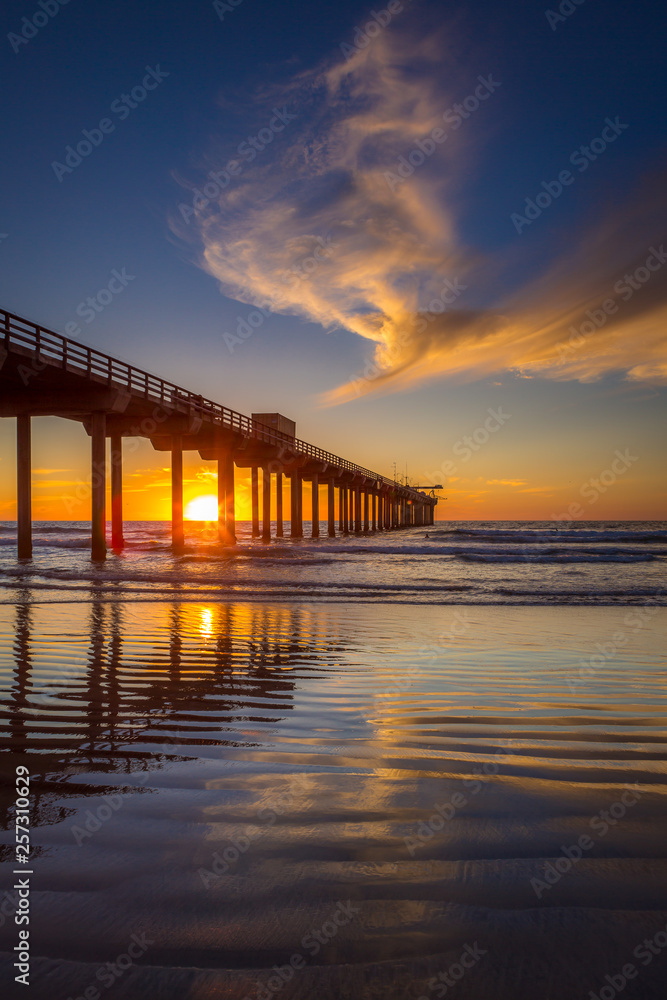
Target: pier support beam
column 374, row 511
column 226, row 473
column 266, row 505
column 357, row 511
column 24, row 487
column 254, row 499
column 279, row 505
column 346, row 519
column 117, row 540
column 315, row 506
column 296, row 526
column 331, row 509
column 98, row 485
column 177, row 533
column 366, row 524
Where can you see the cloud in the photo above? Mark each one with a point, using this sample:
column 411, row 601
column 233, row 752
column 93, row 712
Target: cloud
column 49, row 472
column 397, row 270
column 505, row 482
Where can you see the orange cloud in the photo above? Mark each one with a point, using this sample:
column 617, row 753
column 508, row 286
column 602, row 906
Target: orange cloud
column 387, row 260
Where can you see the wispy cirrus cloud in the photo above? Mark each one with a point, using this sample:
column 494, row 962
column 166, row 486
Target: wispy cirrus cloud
column 397, row 245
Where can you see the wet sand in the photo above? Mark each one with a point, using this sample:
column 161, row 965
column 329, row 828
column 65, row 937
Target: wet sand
column 377, row 800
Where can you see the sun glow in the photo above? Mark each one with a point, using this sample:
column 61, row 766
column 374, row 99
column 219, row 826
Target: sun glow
column 204, row 508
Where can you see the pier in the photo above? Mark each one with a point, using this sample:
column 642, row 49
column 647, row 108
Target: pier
column 43, row 373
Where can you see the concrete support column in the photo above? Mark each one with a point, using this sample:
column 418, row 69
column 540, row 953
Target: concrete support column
column 254, row 500
column 341, row 526
column 331, row 510
column 266, row 505
column 315, row 505
column 117, row 540
column 357, row 510
column 279, row 505
column 177, row 533
column 346, row 518
column 222, row 499
column 230, row 498
column 296, row 529
column 366, row 522
column 98, row 484
column 24, row 486
column 374, row 512
column 378, row 521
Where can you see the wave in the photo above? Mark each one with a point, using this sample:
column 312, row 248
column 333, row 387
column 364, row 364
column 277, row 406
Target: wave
column 549, row 535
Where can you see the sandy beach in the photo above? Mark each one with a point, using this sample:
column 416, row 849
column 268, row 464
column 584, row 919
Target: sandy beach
column 385, row 799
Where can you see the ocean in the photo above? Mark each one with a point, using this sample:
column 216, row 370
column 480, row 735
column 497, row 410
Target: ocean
column 473, row 562
column 419, row 764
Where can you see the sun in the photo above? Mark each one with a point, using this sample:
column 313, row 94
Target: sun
column 204, row 508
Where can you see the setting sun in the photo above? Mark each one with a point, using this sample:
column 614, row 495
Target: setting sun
column 204, row 508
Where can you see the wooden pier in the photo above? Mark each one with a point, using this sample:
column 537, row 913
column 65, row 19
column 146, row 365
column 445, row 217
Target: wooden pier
column 45, row 374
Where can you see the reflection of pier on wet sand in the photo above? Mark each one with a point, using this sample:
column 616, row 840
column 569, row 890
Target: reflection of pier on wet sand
column 44, row 373
column 219, row 778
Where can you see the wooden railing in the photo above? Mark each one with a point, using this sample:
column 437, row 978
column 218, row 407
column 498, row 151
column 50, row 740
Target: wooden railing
column 48, row 348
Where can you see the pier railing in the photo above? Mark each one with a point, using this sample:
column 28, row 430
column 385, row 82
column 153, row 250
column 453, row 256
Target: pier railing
column 21, row 336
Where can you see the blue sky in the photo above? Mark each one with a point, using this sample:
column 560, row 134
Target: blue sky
column 220, row 77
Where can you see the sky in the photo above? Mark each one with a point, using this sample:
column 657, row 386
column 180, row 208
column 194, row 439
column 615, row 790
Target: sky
column 432, row 234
